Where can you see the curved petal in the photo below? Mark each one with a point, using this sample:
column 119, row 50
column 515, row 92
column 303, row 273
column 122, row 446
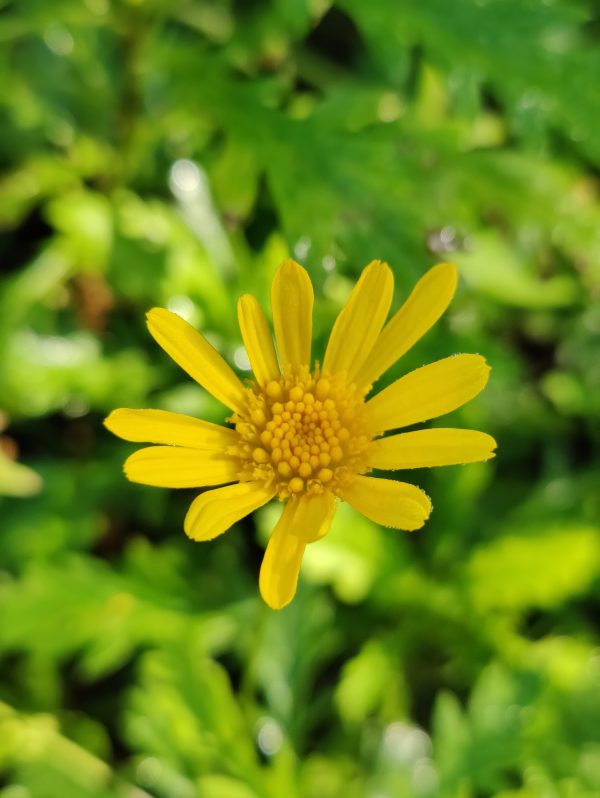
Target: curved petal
column 360, row 320
column 312, row 516
column 176, row 467
column 432, row 447
column 389, row 503
column 196, row 356
column 428, row 300
column 160, row 426
column 302, row 521
column 257, row 340
column 280, row 567
column 292, row 301
column 213, row 512
column 428, row 392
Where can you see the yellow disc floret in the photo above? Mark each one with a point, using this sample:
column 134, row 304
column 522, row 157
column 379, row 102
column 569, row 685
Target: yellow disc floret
column 302, row 434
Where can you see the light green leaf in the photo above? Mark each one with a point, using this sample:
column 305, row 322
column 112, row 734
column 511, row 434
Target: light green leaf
column 540, row 570
column 498, row 271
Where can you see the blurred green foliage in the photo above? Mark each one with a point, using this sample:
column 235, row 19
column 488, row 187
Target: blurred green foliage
column 172, row 153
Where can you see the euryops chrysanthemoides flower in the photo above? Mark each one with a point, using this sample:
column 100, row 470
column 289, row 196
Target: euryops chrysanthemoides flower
column 304, row 433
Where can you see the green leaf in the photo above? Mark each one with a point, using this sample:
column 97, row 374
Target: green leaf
column 538, row 570
column 495, row 270
column 17, row 479
column 364, row 684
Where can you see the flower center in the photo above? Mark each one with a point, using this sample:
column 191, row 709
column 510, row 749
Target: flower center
column 303, row 434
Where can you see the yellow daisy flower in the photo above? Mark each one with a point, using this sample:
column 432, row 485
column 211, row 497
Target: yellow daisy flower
column 309, row 436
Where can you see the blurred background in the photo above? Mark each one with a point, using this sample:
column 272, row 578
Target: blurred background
column 172, row 154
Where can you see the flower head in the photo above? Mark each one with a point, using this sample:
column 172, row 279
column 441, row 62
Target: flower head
column 308, row 435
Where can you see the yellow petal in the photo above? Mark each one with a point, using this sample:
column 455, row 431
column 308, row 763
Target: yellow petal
column 176, row 467
column 292, row 302
column 432, row 447
column 281, row 564
column 196, row 356
column 303, row 521
column 360, row 321
column 311, row 516
column 213, row 512
column 428, row 300
column 257, row 340
column 387, row 502
column 429, row 392
column 160, row 426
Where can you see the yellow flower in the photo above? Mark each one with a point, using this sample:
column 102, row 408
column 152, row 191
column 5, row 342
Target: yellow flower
column 308, row 436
